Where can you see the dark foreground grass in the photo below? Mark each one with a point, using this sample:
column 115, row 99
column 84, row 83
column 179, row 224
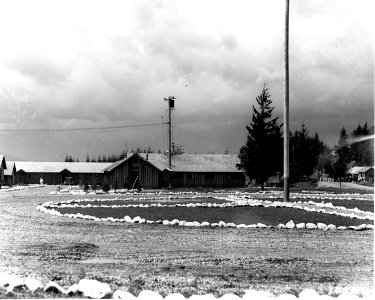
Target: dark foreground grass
column 237, row 215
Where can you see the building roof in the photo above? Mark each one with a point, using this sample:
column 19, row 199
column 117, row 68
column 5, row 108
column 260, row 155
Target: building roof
column 357, row 170
column 57, row 167
column 365, row 169
column 10, row 167
column 2, row 161
column 188, row 162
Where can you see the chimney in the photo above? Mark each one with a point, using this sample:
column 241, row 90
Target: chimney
column 147, row 156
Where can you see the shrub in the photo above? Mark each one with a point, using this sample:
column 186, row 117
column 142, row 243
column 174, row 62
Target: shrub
column 86, row 188
column 106, row 187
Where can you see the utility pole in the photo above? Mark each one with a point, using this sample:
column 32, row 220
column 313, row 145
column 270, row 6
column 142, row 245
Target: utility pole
column 170, row 108
column 286, row 105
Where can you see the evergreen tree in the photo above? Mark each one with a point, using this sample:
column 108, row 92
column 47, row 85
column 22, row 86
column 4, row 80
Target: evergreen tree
column 66, row 158
column 343, row 156
column 87, row 158
column 262, row 154
column 304, row 153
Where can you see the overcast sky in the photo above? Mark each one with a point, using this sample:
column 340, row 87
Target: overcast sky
column 84, row 64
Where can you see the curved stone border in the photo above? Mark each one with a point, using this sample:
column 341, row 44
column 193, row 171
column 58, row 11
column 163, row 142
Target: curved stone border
column 97, row 290
column 238, row 201
column 21, row 187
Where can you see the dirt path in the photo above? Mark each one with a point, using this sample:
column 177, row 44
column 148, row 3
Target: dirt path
column 177, row 259
column 345, row 186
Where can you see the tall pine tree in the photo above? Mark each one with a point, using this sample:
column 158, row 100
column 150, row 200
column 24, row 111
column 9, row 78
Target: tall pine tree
column 262, row 154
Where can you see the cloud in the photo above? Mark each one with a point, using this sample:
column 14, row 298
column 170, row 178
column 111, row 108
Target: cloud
column 92, row 64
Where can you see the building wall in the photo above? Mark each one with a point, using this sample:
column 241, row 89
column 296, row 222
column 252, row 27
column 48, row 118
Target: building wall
column 134, row 170
column 207, row 179
column 58, row 178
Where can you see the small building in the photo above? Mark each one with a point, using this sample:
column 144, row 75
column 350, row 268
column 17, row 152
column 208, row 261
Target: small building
column 3, row 167
column 60, row 172
column 366, row 174
column 361, row 174
column 152, row 170
column 10, row 173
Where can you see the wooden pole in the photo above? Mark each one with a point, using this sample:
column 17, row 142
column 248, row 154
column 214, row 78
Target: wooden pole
column 170, row 133
column 286, row 105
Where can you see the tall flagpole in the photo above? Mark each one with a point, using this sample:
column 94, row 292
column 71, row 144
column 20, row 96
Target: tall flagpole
column 286, row 105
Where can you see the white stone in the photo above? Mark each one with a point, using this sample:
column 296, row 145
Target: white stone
column 326, row 297
column 286, row 297
column 215, row 225
column 54, row 287
column 174, row 222
column 33, row 284
column 203, row 297
column 261, row 225
column 345, row 296
column 253, row 295
column 175, row 296
column 72, row 289
column 290, row 225
column 127, row 219
column 13, row 282
column 166, row 222
column 222, row 223
column 231, row 225
column 342, row 228
column 149, row 295
column 281, row 226
column 301, row 226
column 205, row 224
column 182, row 223
column 136, row 219
column 321, row 226
column 93, row 289
column 361, row 227
column 241, row 226
column 229, row 296
column 308, row 294
column 331, row 227
column 370, row 226
column 123, row 295
column 4, row 278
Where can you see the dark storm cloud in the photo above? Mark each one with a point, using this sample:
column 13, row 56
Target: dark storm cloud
column 116, row 66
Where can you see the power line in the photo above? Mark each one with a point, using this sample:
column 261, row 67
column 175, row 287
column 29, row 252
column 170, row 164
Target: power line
column 77, row 129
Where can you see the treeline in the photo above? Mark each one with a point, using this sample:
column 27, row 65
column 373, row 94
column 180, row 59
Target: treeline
column 111, row 157
column 261, row 157
column 352, row 150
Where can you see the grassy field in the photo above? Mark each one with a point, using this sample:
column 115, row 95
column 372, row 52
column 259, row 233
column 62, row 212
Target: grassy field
column 177, row 259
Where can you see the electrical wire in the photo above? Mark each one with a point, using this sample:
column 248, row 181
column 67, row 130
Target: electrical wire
column 77, row 129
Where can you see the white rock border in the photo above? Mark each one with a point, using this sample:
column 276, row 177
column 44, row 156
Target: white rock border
column 95, row 289
column 236, row 199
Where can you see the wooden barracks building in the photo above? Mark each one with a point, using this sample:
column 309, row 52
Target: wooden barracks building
column 151, row 170
column 148, row 170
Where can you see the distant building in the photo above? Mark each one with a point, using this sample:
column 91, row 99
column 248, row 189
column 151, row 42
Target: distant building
column 60, row 172
column 361, row 174
column 151, row 170
column 3, row 166
column 10, row 174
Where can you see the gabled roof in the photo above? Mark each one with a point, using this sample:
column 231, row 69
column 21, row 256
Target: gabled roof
column 188, row 162
column 2, row 161
column 57, row 167
column 357, row 170
column 11, row 166
column 365, row 169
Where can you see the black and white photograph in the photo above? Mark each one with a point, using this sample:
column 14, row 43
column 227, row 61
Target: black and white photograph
column 187, row 149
